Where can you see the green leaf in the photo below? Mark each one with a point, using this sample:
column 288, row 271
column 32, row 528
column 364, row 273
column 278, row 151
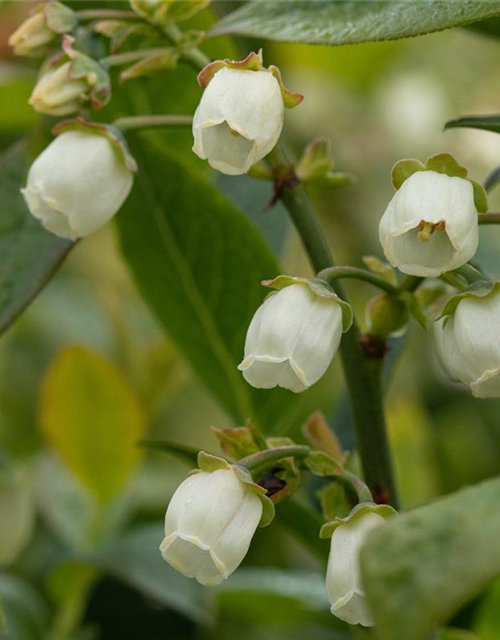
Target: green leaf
column 198, row 263
column 91, row 415
column 419, row 569
column 29, row 255
column 338, row 22
column 25, row 613
column 486, row 123
column 321, row 464
column 403, row 169
column 487, row 617
column 136, row 559
column 445, row 163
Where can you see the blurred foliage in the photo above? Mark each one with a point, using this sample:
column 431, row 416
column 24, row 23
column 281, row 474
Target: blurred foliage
column 378, row 103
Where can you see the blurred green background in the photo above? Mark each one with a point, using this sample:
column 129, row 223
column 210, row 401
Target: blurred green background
column 377, row 103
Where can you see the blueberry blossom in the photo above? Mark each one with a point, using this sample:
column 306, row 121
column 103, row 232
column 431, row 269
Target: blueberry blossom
column 240, row 115
column 343, row 577
column 211, row 520
column 431, row 224
column 466, row 339
column 294, row 335
column 79, row 181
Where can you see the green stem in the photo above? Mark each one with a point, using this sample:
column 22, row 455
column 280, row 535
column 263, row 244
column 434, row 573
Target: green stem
column 362, row 374
column 107, row 14
column 267, row 459
column 147, row 122
column 192, row 55
column 118, row 59
column 362, row 491
column 410, row 283
column 335, row 273
column 489, row 218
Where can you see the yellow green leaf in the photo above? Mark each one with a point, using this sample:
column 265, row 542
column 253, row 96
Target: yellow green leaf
column 93, row 418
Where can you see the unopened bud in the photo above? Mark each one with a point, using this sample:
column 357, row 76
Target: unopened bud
column 386, row 315
column 33, row 37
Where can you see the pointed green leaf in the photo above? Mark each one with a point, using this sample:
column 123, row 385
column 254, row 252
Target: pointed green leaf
column 29, row 255
column 346, row 22
column 486, row 123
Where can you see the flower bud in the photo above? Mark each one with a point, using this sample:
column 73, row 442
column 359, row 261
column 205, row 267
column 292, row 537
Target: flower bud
column 467, row 343
column 343, row 576
column 431, row 224
column 294, row 336
column 240, row 116
column 57, row 94
column 77, row 183
column 34, row 35
column 209, row 525
column 68, row 81
column 386, row 315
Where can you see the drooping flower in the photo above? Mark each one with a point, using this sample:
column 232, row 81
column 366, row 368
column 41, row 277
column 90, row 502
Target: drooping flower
column 294, row 335
column 240, row 116
column 209, row 525
column 68, row 81
column 48, row 21
column 78, row 183
column 468, row 345
column 431, row 224
column 343, row 578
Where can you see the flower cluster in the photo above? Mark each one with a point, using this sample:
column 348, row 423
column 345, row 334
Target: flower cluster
column 214, row 514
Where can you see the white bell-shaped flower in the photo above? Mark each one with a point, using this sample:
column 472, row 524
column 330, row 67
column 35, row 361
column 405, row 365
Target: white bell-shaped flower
column 431, row 224
column 209, row 525
column 343, row 577
column 57, row 94
column 77, row 184
column 238, row 120
column 468, row 344
column 292, row 339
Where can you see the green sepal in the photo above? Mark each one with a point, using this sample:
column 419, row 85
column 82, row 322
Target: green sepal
column 114, row 135
column 59, row 18
column 478, row 289
column 384, row 510
column 165, row 60
column 208, row 462
column 445, row 163
column 320, row 288
column 253, row 62
column 381, row 268
column 321, row 464
column 95, row 75
column 316, row 164
column 268, row 510
column 237, row 442
column 480, row 196
column 291, row 99
column 403, row 169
